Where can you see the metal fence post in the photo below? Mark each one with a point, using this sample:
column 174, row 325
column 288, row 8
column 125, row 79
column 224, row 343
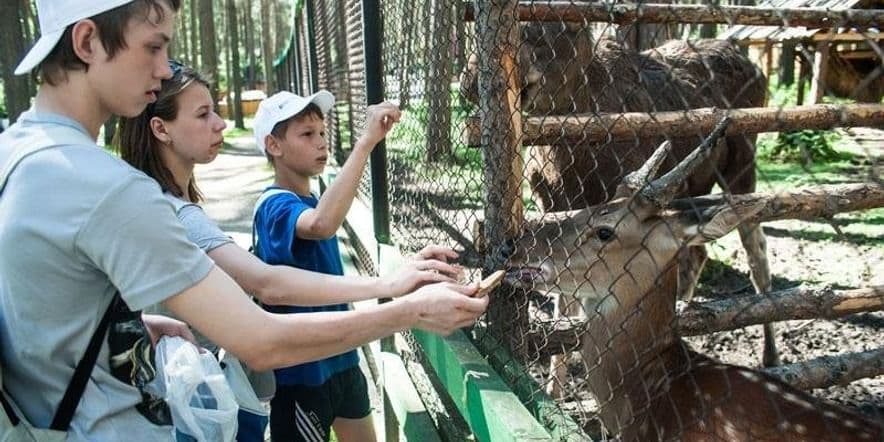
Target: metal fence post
column 296, row 56
column 372, row 32
column 312, row 59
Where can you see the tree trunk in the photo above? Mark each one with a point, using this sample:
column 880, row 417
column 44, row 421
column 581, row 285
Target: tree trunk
column 787, row 64
column 12, row 48
column 182, row 42
column 501, row 111
column 208, row 48
column 820, row 69
column 641, row 36
column 250, row 44
column 267, row 46
column 439, row 82
column 28, row 20
column 236, row 84
column 709, row 30
column 280, row 33
column 194, row 36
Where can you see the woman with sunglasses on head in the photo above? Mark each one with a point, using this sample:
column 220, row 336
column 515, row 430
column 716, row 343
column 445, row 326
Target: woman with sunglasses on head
column 180, row 130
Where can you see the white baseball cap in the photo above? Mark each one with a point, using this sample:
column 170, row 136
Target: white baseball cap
column 282, row 106
column 55, row 16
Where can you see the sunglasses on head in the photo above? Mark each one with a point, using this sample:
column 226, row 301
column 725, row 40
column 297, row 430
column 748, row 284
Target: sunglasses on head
column 176, row 67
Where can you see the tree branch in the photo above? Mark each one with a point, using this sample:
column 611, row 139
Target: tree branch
column 556, row 336
column 597, row 128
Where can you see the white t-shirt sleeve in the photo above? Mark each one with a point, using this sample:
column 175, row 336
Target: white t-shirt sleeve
column 134, row 237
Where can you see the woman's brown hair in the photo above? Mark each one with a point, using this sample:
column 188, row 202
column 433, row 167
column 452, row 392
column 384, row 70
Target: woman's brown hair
column 139, row 147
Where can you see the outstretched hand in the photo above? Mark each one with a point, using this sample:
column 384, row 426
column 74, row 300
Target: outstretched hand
column 428, row 266
column 445, row 307
column 379, row 119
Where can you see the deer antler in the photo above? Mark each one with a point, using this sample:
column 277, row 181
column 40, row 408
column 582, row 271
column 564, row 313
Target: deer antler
column 635, row 181
column 662, row 190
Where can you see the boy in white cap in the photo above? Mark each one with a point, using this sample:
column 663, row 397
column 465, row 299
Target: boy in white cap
column 294, row 227
column 81, row 229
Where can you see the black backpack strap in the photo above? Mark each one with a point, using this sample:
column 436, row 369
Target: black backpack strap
column 7, row 408
column 71, row 399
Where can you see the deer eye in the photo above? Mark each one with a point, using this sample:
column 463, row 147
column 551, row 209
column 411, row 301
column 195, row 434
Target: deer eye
column 604, row 234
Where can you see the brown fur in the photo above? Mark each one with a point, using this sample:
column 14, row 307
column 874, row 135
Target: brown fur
column 565, row 71
column 845, row 76
column 650, row 386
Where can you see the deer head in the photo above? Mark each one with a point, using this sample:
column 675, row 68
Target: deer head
column 622, row 246
column 552, row 58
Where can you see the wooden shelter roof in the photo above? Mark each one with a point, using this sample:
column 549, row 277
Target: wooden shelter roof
column 763, row 34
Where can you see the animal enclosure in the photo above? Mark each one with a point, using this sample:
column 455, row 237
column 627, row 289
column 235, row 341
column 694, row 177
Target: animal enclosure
column 662, row 199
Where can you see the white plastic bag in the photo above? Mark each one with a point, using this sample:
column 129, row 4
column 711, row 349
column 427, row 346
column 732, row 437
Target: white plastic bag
column 201, row 402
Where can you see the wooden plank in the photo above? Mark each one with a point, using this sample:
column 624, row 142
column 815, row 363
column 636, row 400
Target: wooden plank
column 559, row 424
column 556, row 129
column 414, row 421
column 628, row 13
column 820, row 71
column 483, row 398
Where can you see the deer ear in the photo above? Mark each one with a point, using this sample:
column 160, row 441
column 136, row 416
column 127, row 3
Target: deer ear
column 711, row 223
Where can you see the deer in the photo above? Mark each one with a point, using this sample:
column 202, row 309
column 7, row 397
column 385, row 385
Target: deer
column 565, row 71
column 650, row 385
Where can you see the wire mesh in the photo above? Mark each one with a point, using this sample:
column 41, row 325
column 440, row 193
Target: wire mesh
column 625, row 291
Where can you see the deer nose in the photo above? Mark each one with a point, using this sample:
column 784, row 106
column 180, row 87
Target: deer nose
column 507, row 248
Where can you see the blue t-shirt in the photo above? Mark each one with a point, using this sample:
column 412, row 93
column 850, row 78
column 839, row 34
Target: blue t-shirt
column 277, row 244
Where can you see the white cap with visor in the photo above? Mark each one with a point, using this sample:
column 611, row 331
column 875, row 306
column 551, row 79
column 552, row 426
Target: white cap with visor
column 55, row 16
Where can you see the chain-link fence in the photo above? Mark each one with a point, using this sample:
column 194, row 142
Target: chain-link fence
column 550, row 112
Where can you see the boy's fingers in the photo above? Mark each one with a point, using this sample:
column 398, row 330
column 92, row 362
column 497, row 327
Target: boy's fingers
column 437, row 252
column 432, row 277
column 438, row 266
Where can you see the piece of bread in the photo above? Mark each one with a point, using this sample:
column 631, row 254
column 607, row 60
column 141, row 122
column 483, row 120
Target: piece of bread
column 489, row 283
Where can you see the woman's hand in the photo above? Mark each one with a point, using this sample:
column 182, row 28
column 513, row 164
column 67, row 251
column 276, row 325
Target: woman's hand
column 428, row 266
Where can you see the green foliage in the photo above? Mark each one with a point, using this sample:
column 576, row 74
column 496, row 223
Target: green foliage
column 803, row 146
column 780, row 95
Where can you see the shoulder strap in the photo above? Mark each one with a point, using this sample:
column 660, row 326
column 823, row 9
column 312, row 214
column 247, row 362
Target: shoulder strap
column 71, row 398
column 264, row 197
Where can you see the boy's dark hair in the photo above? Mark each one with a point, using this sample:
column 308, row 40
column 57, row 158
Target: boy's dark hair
column 111, row 32
column 278, row 131
column 139, row 147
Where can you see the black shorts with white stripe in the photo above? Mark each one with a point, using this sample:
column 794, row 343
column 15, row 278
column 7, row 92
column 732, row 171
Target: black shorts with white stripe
column 303, row 413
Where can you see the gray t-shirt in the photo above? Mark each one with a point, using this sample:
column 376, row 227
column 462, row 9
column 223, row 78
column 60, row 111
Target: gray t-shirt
column 203, row 232
column 77, row 222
